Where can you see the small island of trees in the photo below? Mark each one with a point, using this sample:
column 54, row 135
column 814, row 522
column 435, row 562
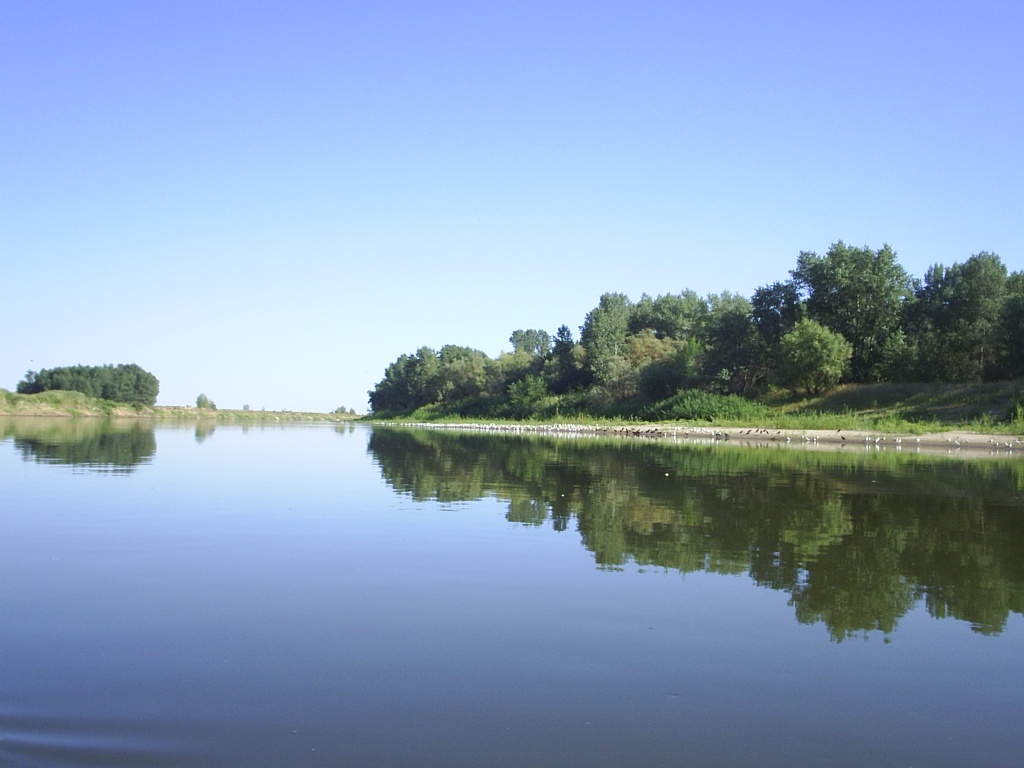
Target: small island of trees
column 117, row 383
column 853, row 315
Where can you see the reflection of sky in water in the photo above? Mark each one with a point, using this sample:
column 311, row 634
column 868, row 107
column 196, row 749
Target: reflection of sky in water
column 259, row 596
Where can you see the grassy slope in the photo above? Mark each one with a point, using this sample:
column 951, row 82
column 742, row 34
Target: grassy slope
column 64, row 404
column 893, row 408
column 917, row 408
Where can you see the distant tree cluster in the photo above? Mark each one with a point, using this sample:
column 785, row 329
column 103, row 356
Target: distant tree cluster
column 852, row 315
column 120, row 383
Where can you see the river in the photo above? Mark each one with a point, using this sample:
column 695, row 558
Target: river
column 325, row 595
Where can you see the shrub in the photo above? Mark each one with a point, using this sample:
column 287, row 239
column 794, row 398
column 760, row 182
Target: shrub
column 697, row 405
column 1015, row 413
column 526, row 395
column 813, row 357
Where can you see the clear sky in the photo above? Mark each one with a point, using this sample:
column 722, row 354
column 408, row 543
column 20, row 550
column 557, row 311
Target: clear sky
column 270, row 202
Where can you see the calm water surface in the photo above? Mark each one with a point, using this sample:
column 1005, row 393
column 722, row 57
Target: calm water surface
column 332, row 596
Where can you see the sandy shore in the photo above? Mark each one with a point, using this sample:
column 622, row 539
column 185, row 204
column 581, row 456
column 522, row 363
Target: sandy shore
column 945, row 442
column 951, row 441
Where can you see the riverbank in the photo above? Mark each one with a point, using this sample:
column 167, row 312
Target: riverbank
column 894, row 435
column 77, row 405
column 189, row 413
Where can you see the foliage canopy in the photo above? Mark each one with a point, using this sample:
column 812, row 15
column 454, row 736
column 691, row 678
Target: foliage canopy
column 119, row 383
column 852, row 315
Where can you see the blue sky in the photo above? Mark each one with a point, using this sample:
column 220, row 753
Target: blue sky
column 270, row 202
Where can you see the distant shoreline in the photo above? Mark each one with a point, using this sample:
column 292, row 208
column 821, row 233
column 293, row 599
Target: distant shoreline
column 65, row 404
column 62, row 404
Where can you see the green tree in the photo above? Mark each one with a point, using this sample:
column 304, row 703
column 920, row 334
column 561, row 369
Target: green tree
column 674, row 369
column 671, row 316
column 531, row 342
column 775, row 309
column 205, row 403
column 565, row 368
column 812, row 357
column 734, row 358
column 955, row 319
column 858, row 293
column 462, row 374
column 410, row 382
column 121, row 383
column 1010, row 332
column 603, row 335
column 29, row 385
column 647, row 360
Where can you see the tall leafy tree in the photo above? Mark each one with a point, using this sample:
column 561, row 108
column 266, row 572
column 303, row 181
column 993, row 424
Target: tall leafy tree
column 956, row 319
column 775, row 309
column 409, row 383
column 566, row 369
column 603, row 335
column 462, row 374
column 531, row 342
column 734, row 356
column 530, row 350
column 858, row 293
column 671, row 316
column 1010, row 333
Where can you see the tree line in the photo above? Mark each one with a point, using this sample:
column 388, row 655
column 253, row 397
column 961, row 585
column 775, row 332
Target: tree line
column 852, row 315
column 120, row 383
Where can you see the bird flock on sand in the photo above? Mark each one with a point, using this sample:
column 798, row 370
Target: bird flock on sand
column 709, row 434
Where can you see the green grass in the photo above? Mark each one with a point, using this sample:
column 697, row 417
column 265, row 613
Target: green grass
column 62, row 403
column 186, row 413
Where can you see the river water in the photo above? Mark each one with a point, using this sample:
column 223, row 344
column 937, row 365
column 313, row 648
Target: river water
column 328, row 595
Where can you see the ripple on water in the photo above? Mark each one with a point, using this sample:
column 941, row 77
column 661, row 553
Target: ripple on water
column 41, row 740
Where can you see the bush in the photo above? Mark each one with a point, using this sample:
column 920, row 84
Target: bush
column 812, row 357
column 1015, row 413
column 526, row 396
column 697, row 405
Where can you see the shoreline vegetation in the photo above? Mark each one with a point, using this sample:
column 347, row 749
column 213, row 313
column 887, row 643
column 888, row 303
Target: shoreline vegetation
column 850, row 341
column 964, row 418
column 969, row 419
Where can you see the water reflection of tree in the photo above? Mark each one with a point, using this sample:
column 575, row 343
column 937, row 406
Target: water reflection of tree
column 100, row 444
column 856, row 540
column 204, row 429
